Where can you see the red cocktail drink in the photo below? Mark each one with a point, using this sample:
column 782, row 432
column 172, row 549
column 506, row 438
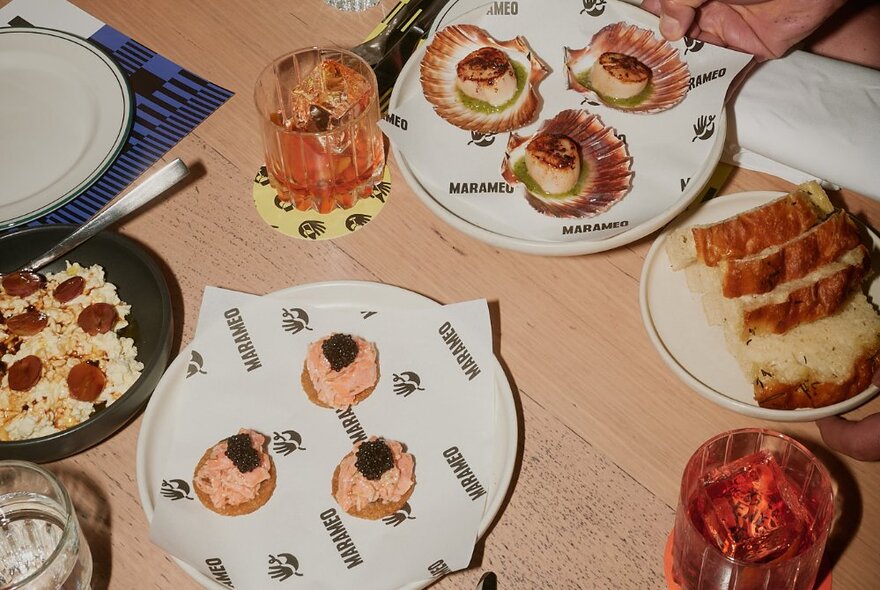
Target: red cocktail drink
column 754, row 512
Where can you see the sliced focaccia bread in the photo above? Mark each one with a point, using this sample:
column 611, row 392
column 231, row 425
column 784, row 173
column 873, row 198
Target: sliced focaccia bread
column 762, row 272
column 748, row 233
column 815, row 364
column 815, row 296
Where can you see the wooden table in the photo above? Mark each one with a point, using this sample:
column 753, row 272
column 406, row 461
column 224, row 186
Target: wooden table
column 606, row 428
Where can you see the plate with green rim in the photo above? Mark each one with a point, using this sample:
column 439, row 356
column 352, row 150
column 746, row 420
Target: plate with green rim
column 66, row 110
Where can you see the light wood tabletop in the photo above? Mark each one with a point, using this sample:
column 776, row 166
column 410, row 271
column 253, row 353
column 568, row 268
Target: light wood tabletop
column 605, row 426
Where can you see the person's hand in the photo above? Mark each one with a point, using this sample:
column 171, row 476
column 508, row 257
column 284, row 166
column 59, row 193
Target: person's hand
column 860, row 439
column 764, row 28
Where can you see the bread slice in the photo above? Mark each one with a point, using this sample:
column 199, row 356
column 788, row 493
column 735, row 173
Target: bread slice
column 750, row 232
column 818, row 295
column 762, row 272
column 814, row 364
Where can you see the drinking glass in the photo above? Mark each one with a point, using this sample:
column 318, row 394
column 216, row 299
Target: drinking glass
column 318, row 111
column 41, row 544
column 352, row 5
column 754, row 512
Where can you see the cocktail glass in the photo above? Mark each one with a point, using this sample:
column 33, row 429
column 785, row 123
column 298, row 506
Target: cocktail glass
column 41, row 544
column 754, row 512
column 318, row 111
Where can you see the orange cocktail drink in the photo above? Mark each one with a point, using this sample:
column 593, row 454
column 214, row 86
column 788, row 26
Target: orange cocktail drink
column 319, row 111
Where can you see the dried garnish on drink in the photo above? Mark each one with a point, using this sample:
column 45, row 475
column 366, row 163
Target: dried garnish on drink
column 329, row 93
column 751, row 511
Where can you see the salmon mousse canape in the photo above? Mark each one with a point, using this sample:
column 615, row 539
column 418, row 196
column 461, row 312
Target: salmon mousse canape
column 340, row 371
column 375, row 479
column 236, row 476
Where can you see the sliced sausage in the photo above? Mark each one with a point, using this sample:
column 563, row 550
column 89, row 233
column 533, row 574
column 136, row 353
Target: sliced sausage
column 27, row 323
column 86, row 382
column 98, row 318
column 69, row 289
column 22, row 283
column 25, row 373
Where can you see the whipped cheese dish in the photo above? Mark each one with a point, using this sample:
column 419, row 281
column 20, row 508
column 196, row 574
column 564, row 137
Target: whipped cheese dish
column 61, row 357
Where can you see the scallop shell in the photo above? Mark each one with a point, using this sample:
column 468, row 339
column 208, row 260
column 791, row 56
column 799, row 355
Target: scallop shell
column 669, row 73
column 608, row 165
column 438, row 75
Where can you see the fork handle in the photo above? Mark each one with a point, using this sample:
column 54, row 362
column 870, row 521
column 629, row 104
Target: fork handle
column 426, row 17
column 400, row 17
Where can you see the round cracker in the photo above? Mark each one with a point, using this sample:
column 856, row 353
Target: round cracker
column 373, row 510
column 312, row 393
column 264, row 491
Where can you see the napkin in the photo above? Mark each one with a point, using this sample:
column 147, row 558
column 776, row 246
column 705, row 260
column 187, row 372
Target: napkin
column 667, row 148
column 170, row 101
column 435, row 394
column 806, row 116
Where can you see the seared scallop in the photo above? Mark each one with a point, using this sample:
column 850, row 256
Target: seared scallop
column 486, row 74
column 619, row 76
column 554, row 162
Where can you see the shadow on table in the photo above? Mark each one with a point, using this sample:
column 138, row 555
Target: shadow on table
column 847, row 505
column 94, row 513
column 479, row 548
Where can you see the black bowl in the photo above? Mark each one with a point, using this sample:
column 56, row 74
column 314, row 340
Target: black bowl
column 140, row 283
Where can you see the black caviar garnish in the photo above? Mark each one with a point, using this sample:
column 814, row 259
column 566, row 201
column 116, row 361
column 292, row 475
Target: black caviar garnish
column 374, row 458
column 340, row 350
column 241, row 453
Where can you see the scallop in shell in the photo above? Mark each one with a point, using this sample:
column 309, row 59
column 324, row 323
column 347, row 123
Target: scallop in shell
column 628, row 68
column 480, row 84
column 574, row 166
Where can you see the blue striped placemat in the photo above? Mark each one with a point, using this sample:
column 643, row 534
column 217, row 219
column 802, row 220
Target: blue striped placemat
column 169, row 103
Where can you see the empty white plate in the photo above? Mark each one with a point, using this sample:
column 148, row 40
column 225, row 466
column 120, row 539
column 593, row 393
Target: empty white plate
column 65, row 113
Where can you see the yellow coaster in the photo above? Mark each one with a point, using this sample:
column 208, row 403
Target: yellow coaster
column 311, row 225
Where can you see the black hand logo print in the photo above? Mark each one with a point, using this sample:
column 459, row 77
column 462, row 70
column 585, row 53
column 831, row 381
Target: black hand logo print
column 175, row 489
column 481, row 139
column 381, row 191
column 286, row 442
column 593, row 7
column 294, row 320
column 312, row 229
column 692, row 45
column 356, row 220
column 704, row 128
column 196, row 362
column 400, row 516
column 407, row 382
column 282, row 566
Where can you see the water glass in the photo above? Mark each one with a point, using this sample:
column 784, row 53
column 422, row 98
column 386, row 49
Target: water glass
column 352, row 5
column 754, row 512
column 41, row 544
column 319, row 112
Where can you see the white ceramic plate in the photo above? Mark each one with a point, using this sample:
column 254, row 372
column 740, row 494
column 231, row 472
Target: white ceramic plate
column 409, row 80
column 65, row 113
column 154, row 446
column 694, row 350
